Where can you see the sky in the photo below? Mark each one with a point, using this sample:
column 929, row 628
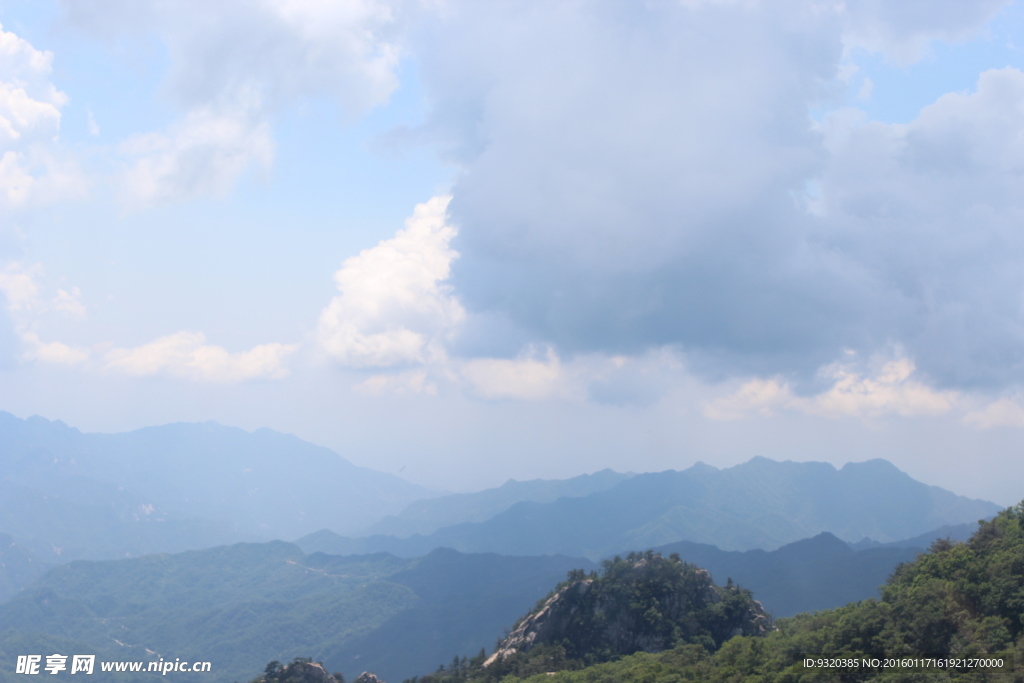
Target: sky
column 468, row 241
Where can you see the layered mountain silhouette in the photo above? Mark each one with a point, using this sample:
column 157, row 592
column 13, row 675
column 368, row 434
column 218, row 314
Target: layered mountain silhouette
column 760, row 504
column 67, row 495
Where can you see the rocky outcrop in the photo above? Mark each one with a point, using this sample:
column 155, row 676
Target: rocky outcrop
column 299, row 670
column 643, row 603
column 305, row 670
column 367, row 677
column 545, row 624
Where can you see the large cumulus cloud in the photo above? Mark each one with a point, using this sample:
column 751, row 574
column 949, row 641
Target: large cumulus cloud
column 641, row 176
column 630, row 174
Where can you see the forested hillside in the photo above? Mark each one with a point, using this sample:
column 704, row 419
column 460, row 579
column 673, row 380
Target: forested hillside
column 241, row 606
column 964, row 600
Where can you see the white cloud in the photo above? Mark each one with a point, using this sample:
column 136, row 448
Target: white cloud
column 184, row 354
column 187, row 355
column 395, row 306
column 51, row 352
column 527, row 377
column 414, row 382
column 889, row 390
column 33, row 168
column 29, row 104
column 15, row 180
column 760, row 396
column 69, row 303
column 39, row 175
column 18, row 284
column 201, row 155
column 20, row 114
column 1003, row 412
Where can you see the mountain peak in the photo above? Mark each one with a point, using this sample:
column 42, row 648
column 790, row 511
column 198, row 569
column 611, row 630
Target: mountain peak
column 824, row 543
column 643, row 602
column 874, row 465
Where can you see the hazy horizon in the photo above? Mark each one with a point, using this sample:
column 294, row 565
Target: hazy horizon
column 467, row 242
column 440, row 491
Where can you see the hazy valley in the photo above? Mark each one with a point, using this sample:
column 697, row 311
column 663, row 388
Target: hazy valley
column 434, row 575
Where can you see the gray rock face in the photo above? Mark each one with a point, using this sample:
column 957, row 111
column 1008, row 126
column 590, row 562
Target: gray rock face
column 544, row 625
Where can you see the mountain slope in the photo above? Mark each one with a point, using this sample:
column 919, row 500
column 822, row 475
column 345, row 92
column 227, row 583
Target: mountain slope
column 18, row 567
column 951, row 615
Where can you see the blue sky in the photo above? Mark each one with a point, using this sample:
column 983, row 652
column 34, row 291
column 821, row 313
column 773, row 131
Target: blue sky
column 472, row 241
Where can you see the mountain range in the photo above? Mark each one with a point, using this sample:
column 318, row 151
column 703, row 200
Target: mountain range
column 428, row 515
column 760, row 504
column 387, row 575
column 68, row 495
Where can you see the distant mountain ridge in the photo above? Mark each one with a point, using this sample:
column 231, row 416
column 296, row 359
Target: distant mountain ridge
column 759, row 504
column 429, row 515
column 66, row 494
